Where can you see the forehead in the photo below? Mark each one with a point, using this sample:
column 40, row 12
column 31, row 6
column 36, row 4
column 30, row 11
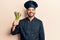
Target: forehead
column 31, row 8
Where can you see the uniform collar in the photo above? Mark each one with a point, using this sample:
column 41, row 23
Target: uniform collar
column 32, row 19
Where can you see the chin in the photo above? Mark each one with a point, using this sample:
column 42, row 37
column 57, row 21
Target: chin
column 31, row 16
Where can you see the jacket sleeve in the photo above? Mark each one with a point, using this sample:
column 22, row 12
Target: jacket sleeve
column 41, row 32
column 16, row 31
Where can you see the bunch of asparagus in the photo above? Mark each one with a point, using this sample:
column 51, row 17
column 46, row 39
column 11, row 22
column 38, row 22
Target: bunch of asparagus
column 17, row 15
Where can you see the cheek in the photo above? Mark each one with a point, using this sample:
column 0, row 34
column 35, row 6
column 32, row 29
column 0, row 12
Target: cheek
column 28, row 11
column 33, row 11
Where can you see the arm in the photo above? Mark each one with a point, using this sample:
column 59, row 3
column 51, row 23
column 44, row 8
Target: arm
column 15, row 28
column 41, row 32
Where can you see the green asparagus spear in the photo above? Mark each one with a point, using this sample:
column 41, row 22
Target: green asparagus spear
column 17, row 15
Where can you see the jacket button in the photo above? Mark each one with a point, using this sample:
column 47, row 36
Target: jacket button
column 32, row 34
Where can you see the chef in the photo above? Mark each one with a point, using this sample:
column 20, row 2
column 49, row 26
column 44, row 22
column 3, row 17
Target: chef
column 29, row 28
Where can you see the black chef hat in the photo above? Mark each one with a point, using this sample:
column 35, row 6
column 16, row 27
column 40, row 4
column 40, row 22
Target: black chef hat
column 29, row 4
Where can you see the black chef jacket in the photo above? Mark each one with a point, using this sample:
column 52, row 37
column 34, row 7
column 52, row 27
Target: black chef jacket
column 30, row 30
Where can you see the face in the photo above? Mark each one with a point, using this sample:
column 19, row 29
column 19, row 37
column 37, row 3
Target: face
column 30, row 12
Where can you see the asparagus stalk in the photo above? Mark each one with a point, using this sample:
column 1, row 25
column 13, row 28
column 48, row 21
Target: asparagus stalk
column 17, row 15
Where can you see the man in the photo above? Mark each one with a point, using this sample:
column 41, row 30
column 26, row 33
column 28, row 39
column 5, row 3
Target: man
column 30, row 28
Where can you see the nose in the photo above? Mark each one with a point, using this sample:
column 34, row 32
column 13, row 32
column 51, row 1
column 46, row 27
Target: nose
column 30, row 10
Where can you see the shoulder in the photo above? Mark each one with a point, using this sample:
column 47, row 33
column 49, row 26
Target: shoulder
column 22, row 20
column 38, row 20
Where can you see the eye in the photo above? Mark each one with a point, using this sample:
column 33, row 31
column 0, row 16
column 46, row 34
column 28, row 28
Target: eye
column 32, row 9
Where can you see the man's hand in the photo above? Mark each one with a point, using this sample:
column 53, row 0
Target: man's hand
column 16, row 22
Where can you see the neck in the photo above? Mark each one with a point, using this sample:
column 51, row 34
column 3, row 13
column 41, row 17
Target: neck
column 31, row 18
